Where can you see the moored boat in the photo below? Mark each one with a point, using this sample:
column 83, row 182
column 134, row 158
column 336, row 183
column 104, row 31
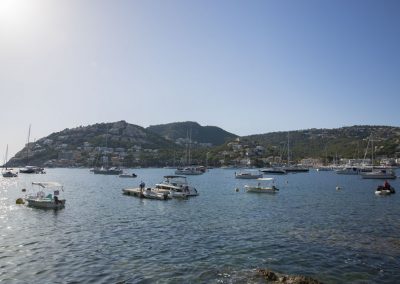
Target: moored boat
column 248, row 175
column 190, row 171
column 44, row 199
column 379, row 174
column 177, row 184
column 133, row 175
column 274, row 171
column 107, row 171
column 261, row 187
column 152, row 194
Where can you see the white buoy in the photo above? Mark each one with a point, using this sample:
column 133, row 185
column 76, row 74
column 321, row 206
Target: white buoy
column 338, row 187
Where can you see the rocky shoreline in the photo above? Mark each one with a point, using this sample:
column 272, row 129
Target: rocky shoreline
column 275, row 277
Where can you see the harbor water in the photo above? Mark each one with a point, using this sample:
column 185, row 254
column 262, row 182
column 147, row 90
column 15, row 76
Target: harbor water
column 221, row 236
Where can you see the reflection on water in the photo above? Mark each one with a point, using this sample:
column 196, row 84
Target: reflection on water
column 221, row 236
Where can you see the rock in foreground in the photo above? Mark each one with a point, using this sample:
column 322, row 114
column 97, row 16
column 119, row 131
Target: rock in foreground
column 275, row 277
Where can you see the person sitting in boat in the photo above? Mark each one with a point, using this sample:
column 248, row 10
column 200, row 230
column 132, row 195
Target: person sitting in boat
column 386, row 185
column 56, row 200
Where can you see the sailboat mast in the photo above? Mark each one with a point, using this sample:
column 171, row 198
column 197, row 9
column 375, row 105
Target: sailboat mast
column 288, row 151
column 190, row 145
column 5, row 161
column 27, row 145
column 372, row 151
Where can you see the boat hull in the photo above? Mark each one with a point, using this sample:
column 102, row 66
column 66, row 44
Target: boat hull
column 254, row 189
column 46, row 203
column 107, row 172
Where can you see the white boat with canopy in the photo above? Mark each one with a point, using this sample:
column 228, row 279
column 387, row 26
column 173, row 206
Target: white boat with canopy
column 46, row 196
column 264, row 185
column 177, row 185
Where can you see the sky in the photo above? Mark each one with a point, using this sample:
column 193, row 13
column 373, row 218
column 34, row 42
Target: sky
column 249, row 67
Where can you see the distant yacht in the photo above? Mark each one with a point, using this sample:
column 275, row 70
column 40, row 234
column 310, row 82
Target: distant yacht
column 379, row 174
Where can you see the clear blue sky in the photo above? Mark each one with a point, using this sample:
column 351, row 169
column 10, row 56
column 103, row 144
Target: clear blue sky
column 246, row 66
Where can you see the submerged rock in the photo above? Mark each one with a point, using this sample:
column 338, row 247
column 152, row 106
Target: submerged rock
column 275, row 277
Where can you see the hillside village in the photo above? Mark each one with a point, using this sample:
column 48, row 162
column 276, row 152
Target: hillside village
column 126, row 145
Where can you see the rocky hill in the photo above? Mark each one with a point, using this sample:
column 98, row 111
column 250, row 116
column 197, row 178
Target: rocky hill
column 124, row 144
column 180, row 131
column 119, row 143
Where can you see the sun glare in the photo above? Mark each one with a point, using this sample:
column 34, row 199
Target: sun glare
column 14, row 14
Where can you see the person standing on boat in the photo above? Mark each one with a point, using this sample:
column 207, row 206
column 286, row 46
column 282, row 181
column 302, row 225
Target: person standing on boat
column 386, row 185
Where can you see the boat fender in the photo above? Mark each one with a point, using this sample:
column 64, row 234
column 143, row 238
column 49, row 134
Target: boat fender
column 20, row 201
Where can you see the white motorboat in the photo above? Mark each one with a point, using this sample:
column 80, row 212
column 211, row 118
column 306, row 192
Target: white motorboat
column 133, row 175
column 248, row 175
column 262, row 186
column 47, row 197
column 152, row 194
column 189, row 171
column 176, row 184
column 379, row 174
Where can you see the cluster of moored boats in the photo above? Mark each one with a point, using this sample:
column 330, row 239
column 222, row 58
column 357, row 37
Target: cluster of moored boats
column 177, row 186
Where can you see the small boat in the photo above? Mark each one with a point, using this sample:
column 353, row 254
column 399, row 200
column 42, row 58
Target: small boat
column 9, row 173
column 152, row 194
column 44, row 199
column 133, row 175
column 262, row 188
column 32, row 170
column 248, row 175
column 379, row 174
column 384, row 190
column 189, row 171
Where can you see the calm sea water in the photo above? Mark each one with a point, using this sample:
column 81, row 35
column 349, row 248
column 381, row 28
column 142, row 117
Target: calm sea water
column 221, row 236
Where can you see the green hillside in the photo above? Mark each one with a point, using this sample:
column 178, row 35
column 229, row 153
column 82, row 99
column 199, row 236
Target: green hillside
column 201, row 134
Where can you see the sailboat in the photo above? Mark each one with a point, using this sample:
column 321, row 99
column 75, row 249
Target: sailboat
column 105, row 170
column 381, row 173
column 189, row 170
column 7, row 172
column 30, row 169
column 293, row 168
